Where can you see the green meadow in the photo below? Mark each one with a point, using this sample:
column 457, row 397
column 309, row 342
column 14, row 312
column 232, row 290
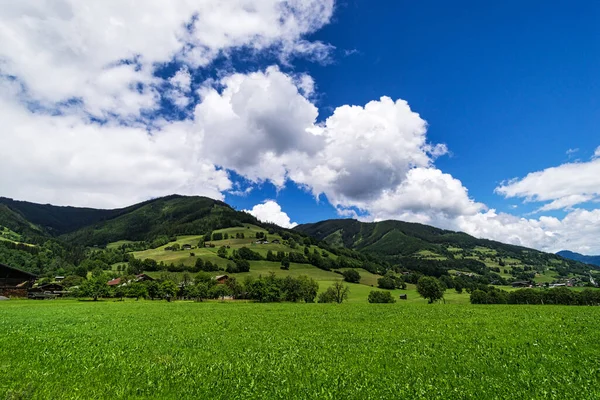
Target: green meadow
column 66, row 349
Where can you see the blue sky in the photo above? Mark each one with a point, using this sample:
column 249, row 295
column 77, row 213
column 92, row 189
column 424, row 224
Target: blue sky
column 510, row 87
column 473, row 116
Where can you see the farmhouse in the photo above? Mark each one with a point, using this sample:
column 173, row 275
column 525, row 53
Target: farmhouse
column 186, row 247
column 221, row 278
column 138, row 278
column 276, row 241
column 14, row 282
column 523, row 284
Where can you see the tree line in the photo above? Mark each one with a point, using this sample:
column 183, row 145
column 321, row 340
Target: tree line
column 557, row 296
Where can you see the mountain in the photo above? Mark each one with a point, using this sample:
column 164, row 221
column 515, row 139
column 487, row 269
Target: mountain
column 593, row 260
column 167, row 216
column 170, row 215
column 434, row 251
column 64, row 237
column 397, row 238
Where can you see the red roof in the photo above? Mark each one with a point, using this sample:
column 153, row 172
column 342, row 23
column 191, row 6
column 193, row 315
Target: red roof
column 114, row 282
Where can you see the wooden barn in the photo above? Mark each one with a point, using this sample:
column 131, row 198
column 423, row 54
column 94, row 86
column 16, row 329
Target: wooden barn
column 14, row 282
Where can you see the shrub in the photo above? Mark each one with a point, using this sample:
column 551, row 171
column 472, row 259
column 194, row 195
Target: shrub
column 381, row 296
column 351, row 276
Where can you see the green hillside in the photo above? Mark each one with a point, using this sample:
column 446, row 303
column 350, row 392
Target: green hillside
column 436, row 251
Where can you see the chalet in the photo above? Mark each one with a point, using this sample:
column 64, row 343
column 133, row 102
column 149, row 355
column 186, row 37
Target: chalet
column 138, row 278
column 276, row 241
column 186, row 247
column 221, row 278
column 14, row 282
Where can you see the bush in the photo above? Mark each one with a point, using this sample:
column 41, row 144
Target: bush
column 351, row 276
column 380, row 296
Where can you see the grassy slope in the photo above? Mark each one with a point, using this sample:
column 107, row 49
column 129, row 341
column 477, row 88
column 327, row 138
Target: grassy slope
column 358, row 292
column 185, row 350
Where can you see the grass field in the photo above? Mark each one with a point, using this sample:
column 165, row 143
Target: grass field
column 185, row 350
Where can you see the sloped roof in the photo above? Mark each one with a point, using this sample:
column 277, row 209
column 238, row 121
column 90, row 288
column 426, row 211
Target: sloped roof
column 6, row 270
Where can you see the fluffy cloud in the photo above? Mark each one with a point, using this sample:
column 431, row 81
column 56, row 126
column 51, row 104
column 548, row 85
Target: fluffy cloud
column 576, row 231
column 367, row 152
column 256, row 122
column 102, row 54
column 270, row 211
column 564, row 186
column 427, row 195
column 64, row 159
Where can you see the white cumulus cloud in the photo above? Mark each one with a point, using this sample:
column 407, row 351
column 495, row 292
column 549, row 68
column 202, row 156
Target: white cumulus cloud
column 563, row 187
column 270, row 211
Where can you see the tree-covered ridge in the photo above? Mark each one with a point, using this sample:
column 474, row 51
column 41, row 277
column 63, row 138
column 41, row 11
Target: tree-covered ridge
column 168, row 216
column 433, row 251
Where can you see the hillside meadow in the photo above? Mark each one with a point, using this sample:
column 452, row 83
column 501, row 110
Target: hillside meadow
column 222, row 350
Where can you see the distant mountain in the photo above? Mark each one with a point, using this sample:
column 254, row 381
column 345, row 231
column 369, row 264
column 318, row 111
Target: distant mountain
column 432, row 250
column 593, row 260
column 398, row 238
column 58, row 220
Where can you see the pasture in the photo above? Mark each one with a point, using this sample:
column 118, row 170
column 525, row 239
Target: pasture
column 184, row 350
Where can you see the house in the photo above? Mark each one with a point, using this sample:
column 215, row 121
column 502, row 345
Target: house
column 522, row 284
column 47, row 291
column 138, row 278
column 221, row 278
column 186, row 247
column 14, row 282
column 59, row 278
column 276, row 241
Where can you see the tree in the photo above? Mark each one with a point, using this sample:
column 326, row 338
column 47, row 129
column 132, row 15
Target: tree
column 308, row 288
column 222, row 252
column 248, row 254
column 336, row 293
column 119, row 292
column 154, row 290
column 235, row 288
column 380, row 296
column 220, row 291
column 285, row 263
column 430, row 288
column 137, row 290
column 351, row 276
column 168, row 289
column 95, row 287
